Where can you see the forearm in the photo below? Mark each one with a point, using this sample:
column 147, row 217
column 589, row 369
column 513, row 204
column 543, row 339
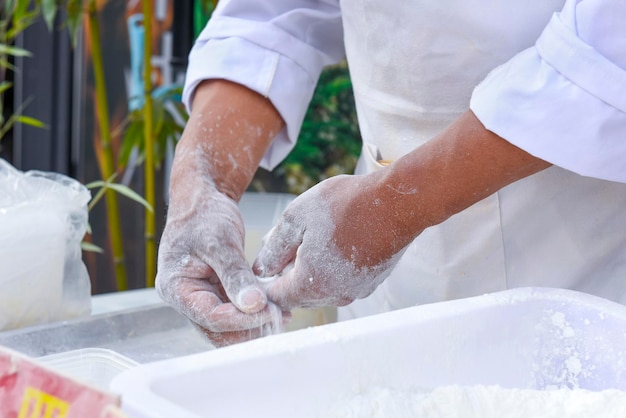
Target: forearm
column 229, row 130
column 461, row 166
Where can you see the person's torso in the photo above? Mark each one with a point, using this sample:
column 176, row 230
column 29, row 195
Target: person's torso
column 414, row 63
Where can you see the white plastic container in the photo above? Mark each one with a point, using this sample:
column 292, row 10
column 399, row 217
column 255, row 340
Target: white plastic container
column 95, row 366
column 523, row 338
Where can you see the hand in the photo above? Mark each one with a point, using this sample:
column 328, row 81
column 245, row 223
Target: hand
column 342, row 239
column 202, row 270
column 346, row 234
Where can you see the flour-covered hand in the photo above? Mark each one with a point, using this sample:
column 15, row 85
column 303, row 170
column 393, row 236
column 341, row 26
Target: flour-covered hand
column 342, row 239
column 202, row 269
column 346, row 234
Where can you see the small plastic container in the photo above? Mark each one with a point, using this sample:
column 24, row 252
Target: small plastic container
column 95, row 366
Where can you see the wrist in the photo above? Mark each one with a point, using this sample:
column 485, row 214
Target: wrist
column 401, row 196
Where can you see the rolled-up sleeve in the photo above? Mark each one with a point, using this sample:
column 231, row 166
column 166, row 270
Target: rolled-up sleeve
column 277, row 48
column 564, row 100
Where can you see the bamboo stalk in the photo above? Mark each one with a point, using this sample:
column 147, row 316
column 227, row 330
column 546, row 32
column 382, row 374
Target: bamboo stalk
column 106, row 160
column 150, row 224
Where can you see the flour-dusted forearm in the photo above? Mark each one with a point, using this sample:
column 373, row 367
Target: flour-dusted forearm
column 202, row 269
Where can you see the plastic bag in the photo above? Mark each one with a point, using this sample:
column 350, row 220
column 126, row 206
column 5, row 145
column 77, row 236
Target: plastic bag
column 43, row 218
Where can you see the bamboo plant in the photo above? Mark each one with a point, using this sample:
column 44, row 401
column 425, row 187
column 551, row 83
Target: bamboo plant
column 151, row 128
column 15, row 17
column 149, row 220
column 106, row 159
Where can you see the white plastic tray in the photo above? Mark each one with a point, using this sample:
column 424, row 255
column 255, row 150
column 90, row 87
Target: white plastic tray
column 523, row 338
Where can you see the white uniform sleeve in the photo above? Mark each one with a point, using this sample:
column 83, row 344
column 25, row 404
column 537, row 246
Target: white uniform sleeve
column 564, row 100
column 277, row 48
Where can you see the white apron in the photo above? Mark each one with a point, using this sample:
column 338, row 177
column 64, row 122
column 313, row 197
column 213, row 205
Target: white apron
column 414, row 64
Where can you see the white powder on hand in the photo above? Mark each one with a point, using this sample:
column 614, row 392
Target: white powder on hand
column 483, row 402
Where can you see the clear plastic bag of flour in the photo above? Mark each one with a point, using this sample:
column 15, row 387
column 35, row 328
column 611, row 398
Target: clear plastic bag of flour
column 43, row 218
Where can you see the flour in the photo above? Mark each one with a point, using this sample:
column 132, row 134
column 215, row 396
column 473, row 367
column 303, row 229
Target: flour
column 483, row 402
column 275, row 326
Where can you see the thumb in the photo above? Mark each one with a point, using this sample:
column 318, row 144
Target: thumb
column 285, row 290
column 241, row 285
column 279, row 248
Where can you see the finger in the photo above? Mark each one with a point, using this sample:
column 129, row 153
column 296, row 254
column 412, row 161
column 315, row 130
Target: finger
column 205, row 308
column 222, row 339
column 241, row 285
column 193, row 290
column 279, row 248
column 294, row 290
column 284, row 291
column 288, row 291
column 226, row 317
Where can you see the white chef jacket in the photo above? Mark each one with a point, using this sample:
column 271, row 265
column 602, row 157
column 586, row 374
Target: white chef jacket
column 278, row 48
column 568, row 92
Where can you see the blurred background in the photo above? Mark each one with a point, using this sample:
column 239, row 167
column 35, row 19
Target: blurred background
column 74, row 93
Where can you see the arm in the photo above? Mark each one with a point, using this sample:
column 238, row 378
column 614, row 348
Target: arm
column 461, row 166
column 202, row 268
column 229, row 130
column 371, row 219
column 271, row 52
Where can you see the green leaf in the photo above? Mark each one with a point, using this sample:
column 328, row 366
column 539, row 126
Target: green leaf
column 132, row 137
column 88, row 246
column 20, row 11
column 13, row 50
column 130, row 193
column 22, row 18
column 74, row 9
column 27, row 120
column 94, row 184
column 5, row 85
column 8, row 7
column 49, row 11
column 158, row 112
column 94, row 200
column 6, row 64
column 103, row 185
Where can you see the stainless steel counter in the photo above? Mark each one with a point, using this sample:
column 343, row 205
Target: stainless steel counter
column 135, row 325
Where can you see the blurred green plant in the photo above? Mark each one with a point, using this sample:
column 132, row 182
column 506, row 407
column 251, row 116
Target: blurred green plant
column 103, row 186
column 168, row 120
column 329, row 142
column 15, row 17
column 162, row 118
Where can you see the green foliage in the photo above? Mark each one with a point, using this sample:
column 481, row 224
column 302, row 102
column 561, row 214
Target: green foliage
column 74, row 10
column 329, row 143
column 15, row 17
column 104, row 185
column 168, row 119
column 202, row 12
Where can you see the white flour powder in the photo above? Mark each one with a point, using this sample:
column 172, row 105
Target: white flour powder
column 484, row 402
